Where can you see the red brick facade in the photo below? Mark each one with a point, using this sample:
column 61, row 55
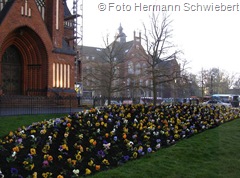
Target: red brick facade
column 133, row 73
column 36, row 38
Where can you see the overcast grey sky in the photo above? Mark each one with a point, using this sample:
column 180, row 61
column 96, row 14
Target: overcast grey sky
column 208, row 32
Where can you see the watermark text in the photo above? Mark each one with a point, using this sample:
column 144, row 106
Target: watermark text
column 187, row 6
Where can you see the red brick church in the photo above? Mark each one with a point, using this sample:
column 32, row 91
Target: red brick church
column 36, row 48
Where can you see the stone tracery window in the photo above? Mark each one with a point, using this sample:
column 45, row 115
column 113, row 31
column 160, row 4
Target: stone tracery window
column 41, row 7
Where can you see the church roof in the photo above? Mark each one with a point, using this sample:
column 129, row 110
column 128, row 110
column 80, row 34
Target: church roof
column 5, row 10
column 67, row 12
column 66, row 49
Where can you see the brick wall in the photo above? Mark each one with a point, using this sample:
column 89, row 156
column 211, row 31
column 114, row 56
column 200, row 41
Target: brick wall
column 24, row 27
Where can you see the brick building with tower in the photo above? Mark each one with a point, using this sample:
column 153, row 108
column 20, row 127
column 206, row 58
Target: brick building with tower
column 129, row 76
column 37, row 55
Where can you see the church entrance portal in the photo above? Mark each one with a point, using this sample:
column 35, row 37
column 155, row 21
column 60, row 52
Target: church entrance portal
column 23, row 64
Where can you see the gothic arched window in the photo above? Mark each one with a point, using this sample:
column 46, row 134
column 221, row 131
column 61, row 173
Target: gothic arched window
column 138, row 68
column 41, row 7
column 130, row 68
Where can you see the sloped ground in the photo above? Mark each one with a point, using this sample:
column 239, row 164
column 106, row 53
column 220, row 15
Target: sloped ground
column 91, row 141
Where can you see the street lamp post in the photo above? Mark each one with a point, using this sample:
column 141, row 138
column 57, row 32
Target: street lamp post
column 211, row 90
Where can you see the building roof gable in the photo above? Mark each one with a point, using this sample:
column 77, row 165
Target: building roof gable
column 91, row 51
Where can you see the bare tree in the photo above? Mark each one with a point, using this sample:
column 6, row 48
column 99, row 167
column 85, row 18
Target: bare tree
column 216, row 81
column 188, row 85
column 105, row 74
column 203, row 82
column 237, row 84
column 161, row 54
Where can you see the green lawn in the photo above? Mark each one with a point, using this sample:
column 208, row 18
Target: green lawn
column 10, row 123
column 214, row 153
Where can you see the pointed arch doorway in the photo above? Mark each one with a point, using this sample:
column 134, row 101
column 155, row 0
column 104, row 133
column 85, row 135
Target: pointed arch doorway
column 12, row 71
column 24, row 64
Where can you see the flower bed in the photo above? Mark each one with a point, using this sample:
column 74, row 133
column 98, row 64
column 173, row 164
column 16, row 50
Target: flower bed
column 94, row 140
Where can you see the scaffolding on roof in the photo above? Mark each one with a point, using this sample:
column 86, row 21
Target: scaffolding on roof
column 77, row 17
